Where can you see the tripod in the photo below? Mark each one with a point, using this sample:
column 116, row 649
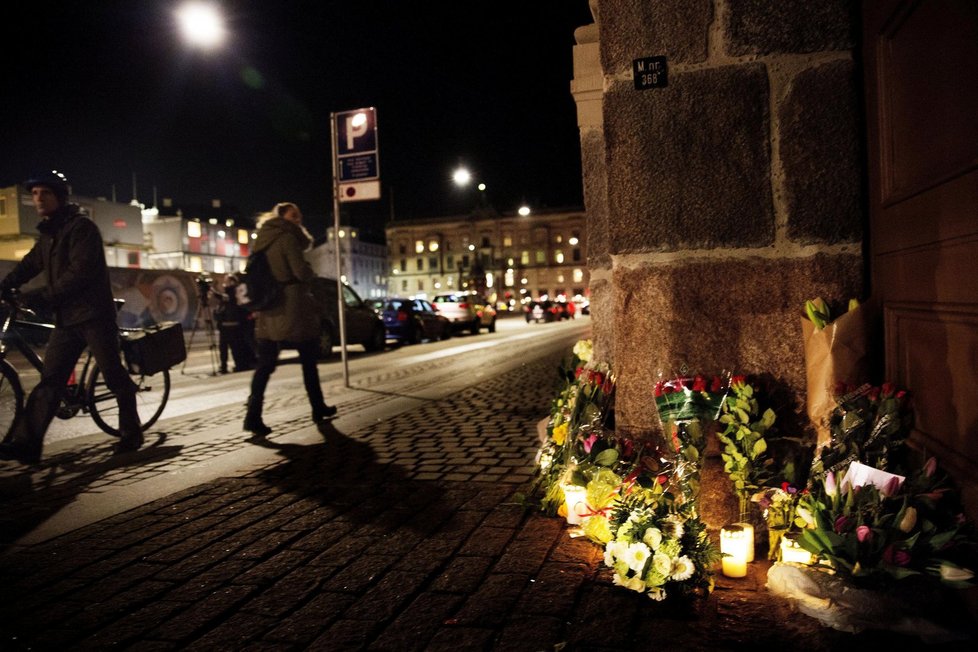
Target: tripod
column 204, row 313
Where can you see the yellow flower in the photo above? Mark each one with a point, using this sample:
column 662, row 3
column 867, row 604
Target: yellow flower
column 560, row 434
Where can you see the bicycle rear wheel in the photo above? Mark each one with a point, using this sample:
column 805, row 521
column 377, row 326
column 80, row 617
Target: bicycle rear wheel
column 11, row 397
column 152, row 393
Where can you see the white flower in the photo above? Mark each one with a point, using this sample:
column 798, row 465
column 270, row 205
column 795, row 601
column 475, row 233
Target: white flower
column 662, row 564
column 672, row 527
column 682, row 568
column 634, row 583
column 652, row 537
column 636, row 555
column 658, row 594
column 583, row 350
column 612, row 552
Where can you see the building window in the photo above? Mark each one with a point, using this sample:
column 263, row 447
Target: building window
column 450, row 262
column 3, row 206
column 559, row 257
column 193, row 229
column 433, row 262
column 433, row 245
column 485, row 241
column 578, row 275
column 524, row 258
column 419, row 262
column 420, row 285
column 541, row 256
column 576, row 255
column 404, row 283
column 402, row 248
column 465, row 260
column 403, row 264
column 507, row 240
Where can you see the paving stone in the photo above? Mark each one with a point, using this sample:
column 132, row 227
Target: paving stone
column 307, row 623
column 415, row 626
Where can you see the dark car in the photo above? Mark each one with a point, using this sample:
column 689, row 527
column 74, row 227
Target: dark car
column 362, row 325
column 409, row 321
column 542, row 310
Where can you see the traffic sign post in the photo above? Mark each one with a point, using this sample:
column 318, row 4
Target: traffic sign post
column 357, row 162
column 356, row 177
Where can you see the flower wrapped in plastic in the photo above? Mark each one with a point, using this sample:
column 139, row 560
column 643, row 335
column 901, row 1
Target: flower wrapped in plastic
column 778, row 509
column 660, row 546
column 581, row 412
column 685, row 405
column 870, row 425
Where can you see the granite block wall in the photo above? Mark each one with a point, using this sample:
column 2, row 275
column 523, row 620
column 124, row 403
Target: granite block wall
column 718, row 204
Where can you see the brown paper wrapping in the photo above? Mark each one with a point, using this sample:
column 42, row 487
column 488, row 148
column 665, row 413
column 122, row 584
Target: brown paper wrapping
column 838, row 352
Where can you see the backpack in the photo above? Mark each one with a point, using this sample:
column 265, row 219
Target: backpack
column 258, row 289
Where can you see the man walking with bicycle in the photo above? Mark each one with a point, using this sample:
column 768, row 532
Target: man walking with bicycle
column 70, row 254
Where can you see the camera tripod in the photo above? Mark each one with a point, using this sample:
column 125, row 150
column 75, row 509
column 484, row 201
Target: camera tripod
column 205, row 314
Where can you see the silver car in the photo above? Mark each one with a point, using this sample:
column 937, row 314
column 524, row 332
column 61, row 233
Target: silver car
column 466, row 310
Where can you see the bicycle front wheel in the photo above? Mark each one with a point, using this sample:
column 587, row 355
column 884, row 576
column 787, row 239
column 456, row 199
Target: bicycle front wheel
column 152, row 393
column 11, row 397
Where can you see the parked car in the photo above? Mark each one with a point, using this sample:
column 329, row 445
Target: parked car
column 409, row 321
column 362, row 324
column 466, row 311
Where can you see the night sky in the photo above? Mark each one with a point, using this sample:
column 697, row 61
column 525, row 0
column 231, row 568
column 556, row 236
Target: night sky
column 105, row 89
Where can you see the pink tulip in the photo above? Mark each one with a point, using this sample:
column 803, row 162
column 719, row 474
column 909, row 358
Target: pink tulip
column 891, row 487
column 930, row 467
column 863, row 533
column 831, row 488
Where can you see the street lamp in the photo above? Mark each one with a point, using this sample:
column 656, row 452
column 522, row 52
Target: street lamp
column 201, row 23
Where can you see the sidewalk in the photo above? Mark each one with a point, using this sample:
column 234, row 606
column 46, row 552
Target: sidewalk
column 400, row 533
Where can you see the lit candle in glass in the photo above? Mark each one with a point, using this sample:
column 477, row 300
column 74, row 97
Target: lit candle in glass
column 792, row 552
column 575, row 501
column 749, row 533
column 733, row 547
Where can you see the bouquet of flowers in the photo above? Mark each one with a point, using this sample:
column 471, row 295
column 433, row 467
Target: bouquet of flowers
column 577, row 430
column 778, row 509
column 870, row 425
column 659, row 546
column 683, row 404
column 875, row 527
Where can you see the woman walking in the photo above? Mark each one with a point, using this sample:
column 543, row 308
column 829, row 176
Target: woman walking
column 291, row 323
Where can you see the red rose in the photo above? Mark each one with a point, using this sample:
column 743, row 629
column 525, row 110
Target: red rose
column 888, row 389
column 716, row 384
column 699, row 384
column 738, row 380
column 658, row 389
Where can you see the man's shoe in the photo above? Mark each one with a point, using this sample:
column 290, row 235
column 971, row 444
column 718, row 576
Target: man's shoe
column 19, row 453
column 129, row 443
column 257, row 427
column 323, row 413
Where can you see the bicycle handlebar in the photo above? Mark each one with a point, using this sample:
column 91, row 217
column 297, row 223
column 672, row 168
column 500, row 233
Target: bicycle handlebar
column 12, row 301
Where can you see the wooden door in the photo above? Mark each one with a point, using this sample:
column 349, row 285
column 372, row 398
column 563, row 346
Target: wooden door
column 921, row 75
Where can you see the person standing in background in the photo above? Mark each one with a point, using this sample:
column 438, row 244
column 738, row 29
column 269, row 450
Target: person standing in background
column 291, row 323
column 232, row 329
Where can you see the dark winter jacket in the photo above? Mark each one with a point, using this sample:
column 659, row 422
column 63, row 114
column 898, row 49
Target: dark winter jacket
column 296, row 319
column 70, row 254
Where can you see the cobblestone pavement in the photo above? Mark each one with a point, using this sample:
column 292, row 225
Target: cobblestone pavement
column 404, row 534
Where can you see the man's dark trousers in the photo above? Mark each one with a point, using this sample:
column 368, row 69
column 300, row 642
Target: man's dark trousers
column 63, row 350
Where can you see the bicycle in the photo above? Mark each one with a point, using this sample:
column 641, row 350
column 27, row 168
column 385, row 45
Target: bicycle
column 85, row 392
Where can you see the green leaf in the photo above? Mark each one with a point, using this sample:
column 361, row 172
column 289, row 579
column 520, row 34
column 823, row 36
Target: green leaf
column 607, row 457
column 759, row 447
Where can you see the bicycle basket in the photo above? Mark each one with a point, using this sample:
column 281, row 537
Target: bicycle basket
column 154, row 348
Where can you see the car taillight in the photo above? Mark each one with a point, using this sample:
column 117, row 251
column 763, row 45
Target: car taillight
column 402, row 316
column 464, row 306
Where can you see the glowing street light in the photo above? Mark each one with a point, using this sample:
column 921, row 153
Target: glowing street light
column 524, row 210
column 202, row 24
column 462, row 177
